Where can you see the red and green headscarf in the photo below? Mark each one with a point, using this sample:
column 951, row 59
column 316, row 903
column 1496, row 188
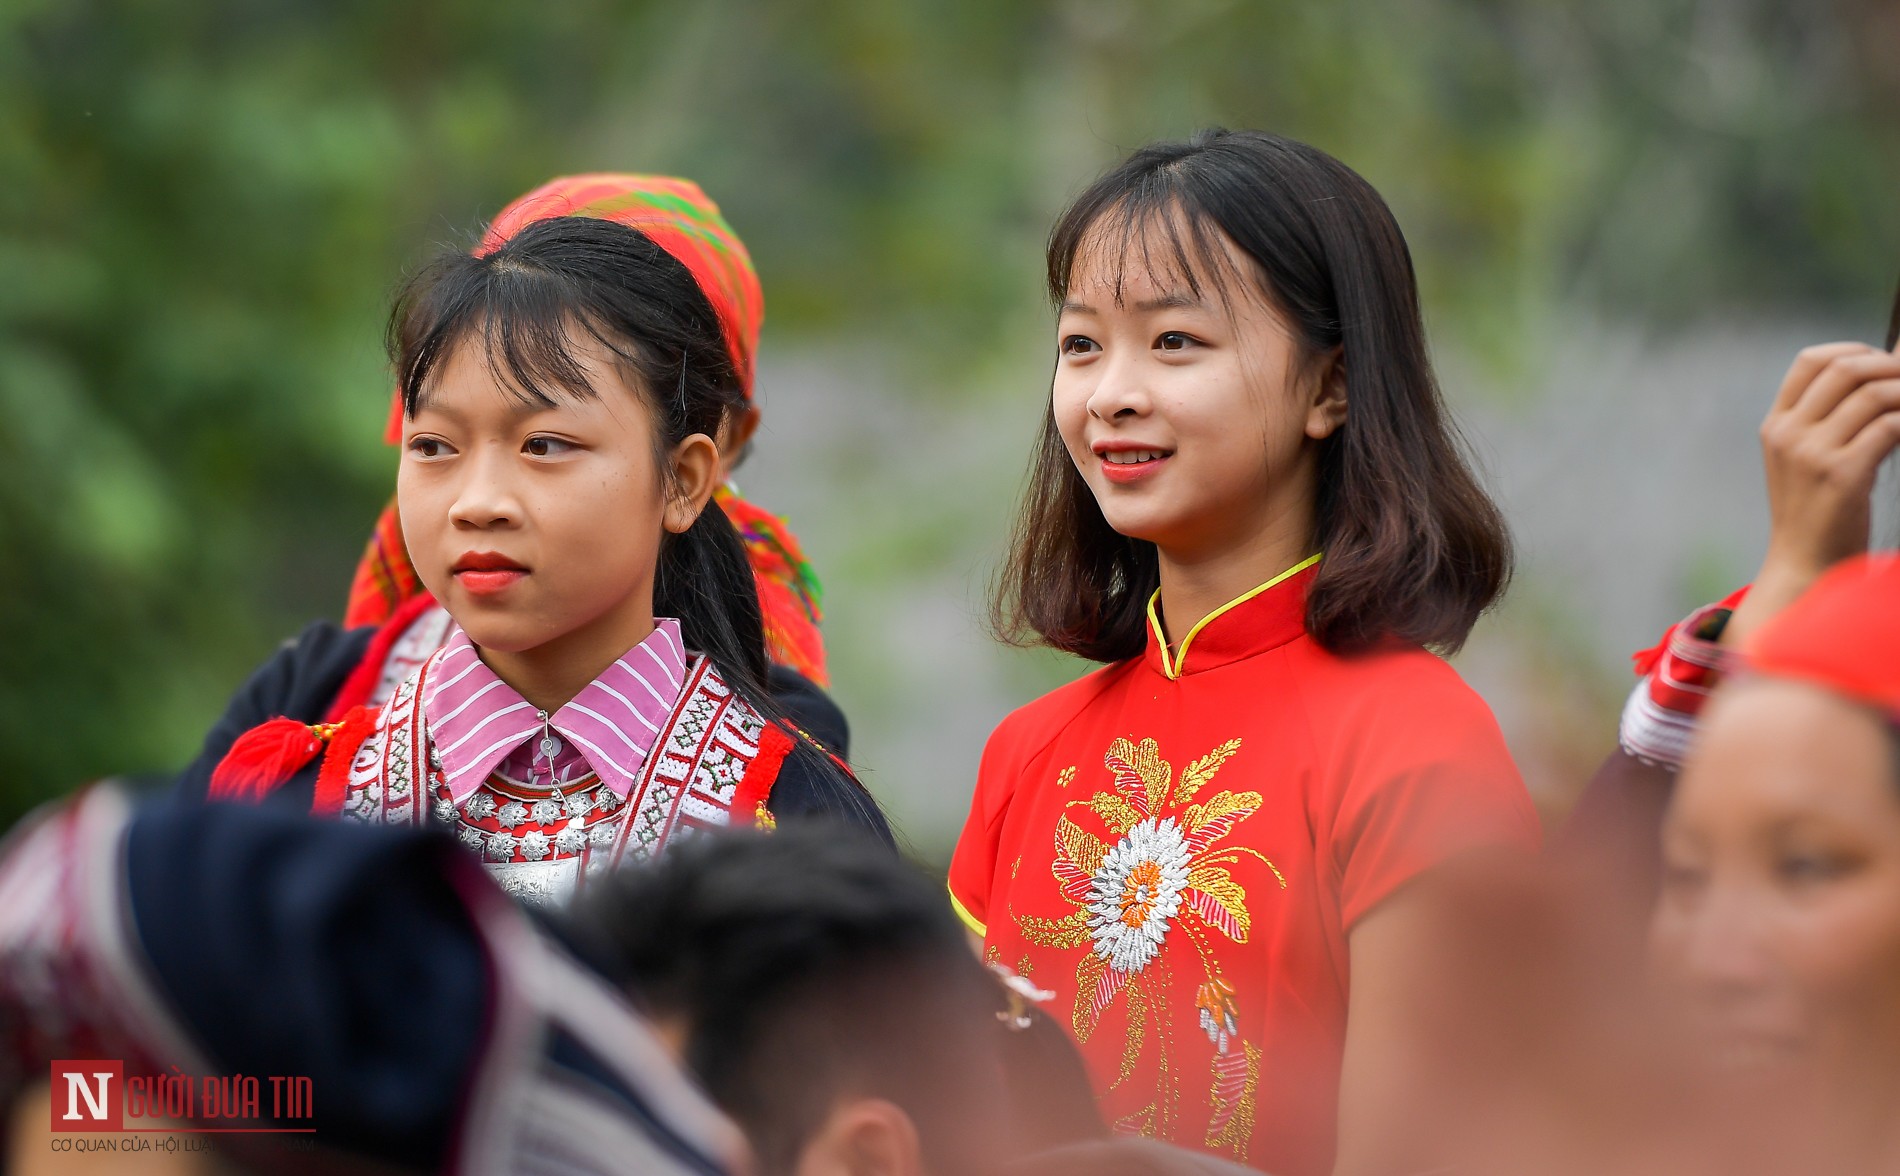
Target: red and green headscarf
column 680, row 219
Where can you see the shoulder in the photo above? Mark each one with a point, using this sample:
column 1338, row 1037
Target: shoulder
column 1403, row 720
column 315, row 662
column 809, row 785
column 1403, row 690
column 814, row 711
column 1033, row 727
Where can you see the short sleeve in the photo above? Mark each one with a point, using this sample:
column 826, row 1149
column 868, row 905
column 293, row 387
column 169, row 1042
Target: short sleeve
column 1432, row 780
column 973, row 864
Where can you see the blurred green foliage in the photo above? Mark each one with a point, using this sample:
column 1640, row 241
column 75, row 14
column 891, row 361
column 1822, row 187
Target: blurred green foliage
column 204, row 206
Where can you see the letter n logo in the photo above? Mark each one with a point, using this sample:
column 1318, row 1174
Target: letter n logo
column 88, row 1095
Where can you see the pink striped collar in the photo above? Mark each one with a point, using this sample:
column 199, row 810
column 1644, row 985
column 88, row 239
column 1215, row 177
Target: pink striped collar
column 479, row 724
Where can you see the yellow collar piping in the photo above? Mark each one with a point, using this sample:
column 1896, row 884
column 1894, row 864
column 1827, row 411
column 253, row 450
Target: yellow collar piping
column 1171, row 663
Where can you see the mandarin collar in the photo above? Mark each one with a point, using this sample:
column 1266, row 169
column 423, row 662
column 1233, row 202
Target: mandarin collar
column 1263, row 618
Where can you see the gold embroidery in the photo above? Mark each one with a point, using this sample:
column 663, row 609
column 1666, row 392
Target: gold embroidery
column 1131, row 1048
column 1164, row 866
column 1072, row 930
column 1063, row 777
column 1236, row 1082
column 1202, row 770
column 1142, row 1123
column 1140, row 765
column 1115, row 812
column 1024, row 967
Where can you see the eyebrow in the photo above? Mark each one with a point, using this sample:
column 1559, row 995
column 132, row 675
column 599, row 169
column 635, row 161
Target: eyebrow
column 1175, row 300
column 518, row 409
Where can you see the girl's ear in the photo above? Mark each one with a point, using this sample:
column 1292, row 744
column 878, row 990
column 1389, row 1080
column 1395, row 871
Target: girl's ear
column 696, row 467
column 1327, row 412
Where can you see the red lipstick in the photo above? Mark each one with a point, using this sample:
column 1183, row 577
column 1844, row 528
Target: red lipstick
column 486, row 573
column 1141, row 461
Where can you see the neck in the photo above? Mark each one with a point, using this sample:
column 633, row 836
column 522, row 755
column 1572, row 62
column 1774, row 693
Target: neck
column 1195, row 581
column 551, row 674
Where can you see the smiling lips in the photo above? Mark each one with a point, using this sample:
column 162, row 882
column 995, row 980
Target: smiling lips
column 1125, row 462
column 485, row 573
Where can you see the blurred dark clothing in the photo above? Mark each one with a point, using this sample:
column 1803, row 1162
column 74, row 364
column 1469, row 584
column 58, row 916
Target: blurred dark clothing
column 438, row 1028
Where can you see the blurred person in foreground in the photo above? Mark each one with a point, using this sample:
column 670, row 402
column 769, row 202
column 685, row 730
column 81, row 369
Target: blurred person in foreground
column 1835, row 419
column 826, row 997
column 437, row 1027
column 1757, row 1029
column 817, row 988
column 1778, row 926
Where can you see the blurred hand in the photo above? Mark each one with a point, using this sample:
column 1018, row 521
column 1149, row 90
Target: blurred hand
column 1835, row 419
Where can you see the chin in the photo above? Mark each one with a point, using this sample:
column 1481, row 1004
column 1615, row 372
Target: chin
column 501, row 636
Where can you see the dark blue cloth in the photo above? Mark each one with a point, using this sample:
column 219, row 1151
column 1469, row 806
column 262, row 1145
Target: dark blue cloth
column 331, row 950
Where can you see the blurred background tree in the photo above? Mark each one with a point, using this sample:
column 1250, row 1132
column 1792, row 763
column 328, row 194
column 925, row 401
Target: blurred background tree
column 1626, row 214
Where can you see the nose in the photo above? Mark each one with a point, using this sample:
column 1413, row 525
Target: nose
column 1120, row 391
column 1719, row 949
column 485, row 497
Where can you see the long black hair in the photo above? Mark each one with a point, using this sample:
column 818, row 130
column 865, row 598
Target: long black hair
column 1415, row 549
column 527, row 301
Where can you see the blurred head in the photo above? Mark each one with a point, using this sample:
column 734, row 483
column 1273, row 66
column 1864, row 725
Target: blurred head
column 1779, row 921
column 824, row 995
column 561, row 394
column 1240, row 356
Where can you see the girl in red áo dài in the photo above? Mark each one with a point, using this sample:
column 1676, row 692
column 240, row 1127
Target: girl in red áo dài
column 603, row 685
column 1248, row 501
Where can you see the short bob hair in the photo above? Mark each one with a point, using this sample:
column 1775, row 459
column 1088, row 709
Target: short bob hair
column 1415, row 550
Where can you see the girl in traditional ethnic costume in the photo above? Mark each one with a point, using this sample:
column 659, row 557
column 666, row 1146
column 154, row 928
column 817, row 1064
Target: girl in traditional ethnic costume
column 603, row 684
column 1247, row 500
column 392, row 624
column 684, row 222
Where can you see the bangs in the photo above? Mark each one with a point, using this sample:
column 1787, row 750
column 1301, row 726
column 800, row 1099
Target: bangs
column 525, row 321
column 1155, row 231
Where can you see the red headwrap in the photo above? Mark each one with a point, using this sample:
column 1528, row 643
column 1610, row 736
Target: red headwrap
column 1843, row 634
column 680, row 219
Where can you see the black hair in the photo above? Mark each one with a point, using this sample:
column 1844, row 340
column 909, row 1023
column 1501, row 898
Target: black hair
column 527, row 300
column 809, row 965
column 1415, row 550
column 1893, row 320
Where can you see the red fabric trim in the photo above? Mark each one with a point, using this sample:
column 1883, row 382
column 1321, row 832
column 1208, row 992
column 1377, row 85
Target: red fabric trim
column 1644, row 660
column 333, row 778
column 755, row 788
column 356, row 688
column 392, row 429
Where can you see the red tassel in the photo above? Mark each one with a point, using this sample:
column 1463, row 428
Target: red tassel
column 263, row 758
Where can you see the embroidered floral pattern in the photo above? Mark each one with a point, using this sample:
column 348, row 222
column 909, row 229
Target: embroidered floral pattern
column 1135, row 893
column 1160, row 870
